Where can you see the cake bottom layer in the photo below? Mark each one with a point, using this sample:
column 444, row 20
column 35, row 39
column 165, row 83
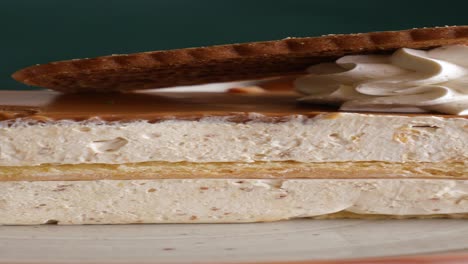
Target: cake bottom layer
column 227, row 200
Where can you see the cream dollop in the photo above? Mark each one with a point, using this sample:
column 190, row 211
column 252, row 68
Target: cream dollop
column 407, row 81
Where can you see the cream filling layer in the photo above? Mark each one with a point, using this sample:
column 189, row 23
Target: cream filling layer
column 335, row 137
column 223, row 200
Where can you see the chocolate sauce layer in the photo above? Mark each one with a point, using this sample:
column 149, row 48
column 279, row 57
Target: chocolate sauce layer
column 154, row 106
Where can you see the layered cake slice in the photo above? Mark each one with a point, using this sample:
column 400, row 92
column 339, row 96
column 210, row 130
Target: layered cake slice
column 377, row 128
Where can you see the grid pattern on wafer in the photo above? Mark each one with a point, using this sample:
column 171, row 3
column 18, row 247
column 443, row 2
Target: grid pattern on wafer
column 225, row 62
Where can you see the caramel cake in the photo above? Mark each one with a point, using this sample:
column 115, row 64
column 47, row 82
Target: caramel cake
column 365, row 136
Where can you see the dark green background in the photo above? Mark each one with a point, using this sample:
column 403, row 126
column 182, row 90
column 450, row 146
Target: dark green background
column 38, row 31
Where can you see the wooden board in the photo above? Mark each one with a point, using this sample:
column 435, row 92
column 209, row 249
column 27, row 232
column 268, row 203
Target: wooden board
column 297, row 240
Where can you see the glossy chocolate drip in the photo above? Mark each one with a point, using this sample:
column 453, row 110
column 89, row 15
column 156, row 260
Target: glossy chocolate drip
column 46, row 105
column 52, row 106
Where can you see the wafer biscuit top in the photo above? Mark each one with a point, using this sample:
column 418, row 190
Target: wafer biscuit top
column 227, row 62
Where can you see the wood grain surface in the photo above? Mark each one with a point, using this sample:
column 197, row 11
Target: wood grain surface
column 293, row 242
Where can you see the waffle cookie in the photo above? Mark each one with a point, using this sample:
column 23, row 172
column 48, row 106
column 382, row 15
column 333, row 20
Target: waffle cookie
column 225, row 63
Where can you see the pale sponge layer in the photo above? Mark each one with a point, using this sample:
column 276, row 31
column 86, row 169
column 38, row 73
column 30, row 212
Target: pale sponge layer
column 333, row 137
column 226, row 200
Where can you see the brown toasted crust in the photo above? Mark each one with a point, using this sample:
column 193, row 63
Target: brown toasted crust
column 225, row 63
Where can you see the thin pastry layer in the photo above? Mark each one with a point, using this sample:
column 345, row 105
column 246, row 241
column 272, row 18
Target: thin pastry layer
column 237, row 170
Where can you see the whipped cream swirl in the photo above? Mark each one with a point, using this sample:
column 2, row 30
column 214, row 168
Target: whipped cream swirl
column 407, row 81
